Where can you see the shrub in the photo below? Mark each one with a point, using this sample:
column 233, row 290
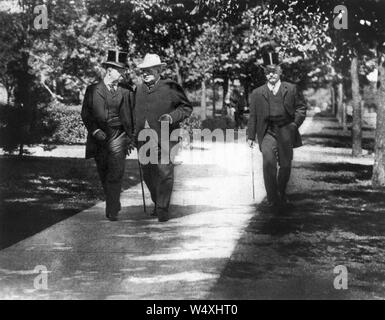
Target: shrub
column 69, row 125
column 222, row 122
column 20, row 126
column 192, row 122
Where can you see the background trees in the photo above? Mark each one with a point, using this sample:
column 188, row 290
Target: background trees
column 45, row 66
column 206, row 44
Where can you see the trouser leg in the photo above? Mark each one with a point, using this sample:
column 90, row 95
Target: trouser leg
column 283, row 179
column 111, row 164
column 102, row 166
column 269, row 154
column 147, row 149
column 150, row 177
column 159, row 179
column 285, row 157
column 165, row 185
column 116, row 166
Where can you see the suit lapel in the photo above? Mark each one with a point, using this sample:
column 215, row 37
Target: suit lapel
column 265, row 93
column 101, row 91
column 143, row 87
column 284, row 90
column 156, row 86
column 119, row 95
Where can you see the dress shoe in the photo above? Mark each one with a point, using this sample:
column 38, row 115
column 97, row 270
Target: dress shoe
column 285, row 204
column 163, row 215
column 112, row 217
column 269, row 207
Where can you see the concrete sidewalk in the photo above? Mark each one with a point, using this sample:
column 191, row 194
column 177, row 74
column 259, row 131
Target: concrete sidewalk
column 88, row 257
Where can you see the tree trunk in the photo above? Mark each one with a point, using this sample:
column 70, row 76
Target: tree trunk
column 344, row 117
column 246, row 87
column 214, row 98
column 333, row 100
column 378, row 178
column 225, row 91
column 340, row 97
column 21, row 149
column 203, row 100
column 357, row 112
column 8, row 98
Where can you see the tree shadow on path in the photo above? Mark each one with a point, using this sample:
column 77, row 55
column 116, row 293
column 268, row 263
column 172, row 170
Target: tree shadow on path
column 337, row 220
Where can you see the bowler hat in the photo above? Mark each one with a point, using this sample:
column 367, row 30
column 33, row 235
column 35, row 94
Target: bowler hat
column 116, row 58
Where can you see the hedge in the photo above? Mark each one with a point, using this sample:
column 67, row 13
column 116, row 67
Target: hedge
column 58, row 123
column 69, row 127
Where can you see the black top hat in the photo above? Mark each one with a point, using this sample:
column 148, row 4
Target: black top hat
column 116, row 58
column 270, row 58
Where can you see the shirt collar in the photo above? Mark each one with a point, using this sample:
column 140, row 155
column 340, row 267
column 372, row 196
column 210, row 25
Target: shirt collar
column 150, row 85
column 110, row 85
column 275, row 87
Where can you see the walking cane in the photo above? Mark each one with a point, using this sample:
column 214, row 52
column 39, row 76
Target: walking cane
column 141, row 182
column 252, row 172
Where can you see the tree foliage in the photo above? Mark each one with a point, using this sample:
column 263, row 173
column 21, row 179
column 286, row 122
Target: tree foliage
column 200, row 40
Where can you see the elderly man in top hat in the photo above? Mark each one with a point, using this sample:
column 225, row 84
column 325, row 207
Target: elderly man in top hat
column 277, row 110
column 107, row 113
column 157, row 101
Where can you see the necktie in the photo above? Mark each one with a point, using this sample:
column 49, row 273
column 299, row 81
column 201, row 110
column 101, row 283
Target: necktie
column 273, row 90
column 112, row 88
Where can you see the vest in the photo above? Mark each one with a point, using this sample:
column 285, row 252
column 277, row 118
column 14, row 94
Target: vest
column 276, row 107
column 113, row 103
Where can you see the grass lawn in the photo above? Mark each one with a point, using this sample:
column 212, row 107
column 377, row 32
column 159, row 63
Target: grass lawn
column 38, row 192
column 328, row 132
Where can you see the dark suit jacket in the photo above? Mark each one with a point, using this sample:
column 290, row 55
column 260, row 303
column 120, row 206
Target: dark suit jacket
column 259, row 111
column 166, row 97
column 94, row 113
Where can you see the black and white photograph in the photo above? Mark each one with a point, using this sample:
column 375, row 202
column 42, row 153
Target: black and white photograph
column 198, row 151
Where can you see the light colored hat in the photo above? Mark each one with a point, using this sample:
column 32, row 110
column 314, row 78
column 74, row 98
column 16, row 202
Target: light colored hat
column 151, row 60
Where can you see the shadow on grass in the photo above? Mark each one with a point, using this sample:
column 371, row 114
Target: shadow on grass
column 335, row 141
column 337, row 173
column 39, row 192
column 340, row 128
column 292, row 255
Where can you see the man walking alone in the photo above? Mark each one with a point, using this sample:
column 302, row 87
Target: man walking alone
column 277, row 110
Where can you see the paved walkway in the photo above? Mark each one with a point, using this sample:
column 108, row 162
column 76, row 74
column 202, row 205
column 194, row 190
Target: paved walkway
column 216, row 246
column 88, row 257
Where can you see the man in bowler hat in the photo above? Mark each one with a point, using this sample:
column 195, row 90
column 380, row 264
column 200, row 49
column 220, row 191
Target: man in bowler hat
column 107, row 113
column 277, row 110
column 158, row 101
